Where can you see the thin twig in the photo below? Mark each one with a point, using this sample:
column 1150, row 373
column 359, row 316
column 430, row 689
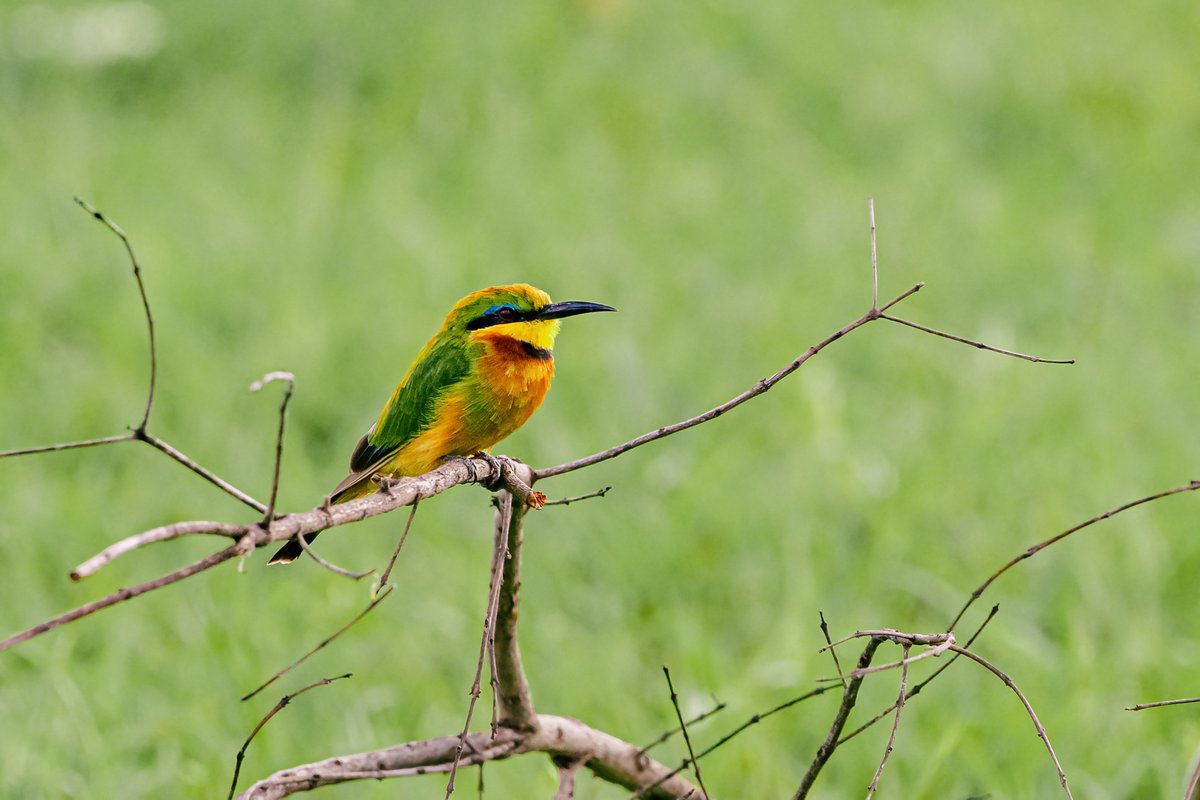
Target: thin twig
column 874, row 258
column 919, row 686
column 387, row 573
column 121, row 595
column 163, row 534
column 489, row 625
column 693, row 722
column 52, row 448
column 1193, row 787
column 687, row 740
column 1162, row 703
column 137, row 276
column 1037, row 724
column 334, row 568
column 934, row 651
column 211, row 477
column 837, row 664
column 568, row 768
column 979, row 345
column 269, row 517
column 566, row 501
column 382, row 596
column 753, row 720
column 904, row 662
column 849, row 698
column 759, row 388
column 1187, row 487
column 283, row 701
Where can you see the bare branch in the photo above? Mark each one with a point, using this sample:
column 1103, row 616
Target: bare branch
column 754, row 720
column 1163, row 703
column 499, row 552
column 979, row 345
column 687, row 740
column 874, row 257
column 849, row 698
column 512, row 690
column 121, row 595
column 53, row 448
column 371, row 607
column 329, row 565
column 208, row 475
column 824, row 626
column 609, row 758
column 918, row 687
column 1191, row 486
column 567, row 770
column 137, row 276
column 566, row 501
column 1037, row 724
column 163, row 534
column 283, row 701
column 904, row 662
column 387, row 572
column 759, row 388
column 693, row 722
column 269, row 517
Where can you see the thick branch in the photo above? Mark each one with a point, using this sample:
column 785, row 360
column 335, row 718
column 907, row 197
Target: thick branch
column 516, row 706
column 610, row 758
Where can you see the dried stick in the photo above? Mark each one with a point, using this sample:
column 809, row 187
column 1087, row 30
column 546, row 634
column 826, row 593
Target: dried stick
column 693, row 721
column 208, row 475
column 608, row 757
column 759, row 388
column 849, row 698
column 387, row 572
column 382, row 596
column 1191, row 486
column 512, row 692
column 489, row 626
column 687, row 740
column 283, row 701
column 1037, row 724
column 913, row 692
column 566, row 501
column 329, row 565
column 137, row 276
column 163, row 534
column 52, row 448
column 269, row 517
column 1163, row 703
column 754, row 720
column 904, row 662
column 122, row 595
column 824, row 626
column 567, row 770
column 973, row 343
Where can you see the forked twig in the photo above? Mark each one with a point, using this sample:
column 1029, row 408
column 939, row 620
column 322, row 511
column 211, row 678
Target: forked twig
column 837, row 664
column 687, row 739
column 693, row 722
column 913, row 692
column 387, row 573
column 283, row 701
column 566, row 501
column 1190, row 486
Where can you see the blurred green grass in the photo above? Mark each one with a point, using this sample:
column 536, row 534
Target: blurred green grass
column 311, row 186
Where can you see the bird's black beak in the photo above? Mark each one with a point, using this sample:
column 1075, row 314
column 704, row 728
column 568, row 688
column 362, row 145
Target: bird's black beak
column 570, row 308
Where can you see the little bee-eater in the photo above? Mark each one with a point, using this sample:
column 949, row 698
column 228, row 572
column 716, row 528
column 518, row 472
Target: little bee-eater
column 477, row 380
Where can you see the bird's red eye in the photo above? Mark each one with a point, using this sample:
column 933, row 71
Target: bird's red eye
column 507, row 313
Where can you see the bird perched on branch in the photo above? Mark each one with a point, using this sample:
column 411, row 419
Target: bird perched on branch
column 477, row 380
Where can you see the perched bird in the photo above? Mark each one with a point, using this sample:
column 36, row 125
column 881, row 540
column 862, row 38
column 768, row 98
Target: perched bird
column 477, row 380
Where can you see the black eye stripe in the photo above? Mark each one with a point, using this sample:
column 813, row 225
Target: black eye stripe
column 501, row 316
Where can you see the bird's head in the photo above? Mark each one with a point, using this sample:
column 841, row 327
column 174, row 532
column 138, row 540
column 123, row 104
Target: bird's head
column 521, row 312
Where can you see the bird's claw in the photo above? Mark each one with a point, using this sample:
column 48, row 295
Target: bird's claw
column 495, row 481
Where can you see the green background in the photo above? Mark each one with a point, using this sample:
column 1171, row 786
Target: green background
column 311, row 185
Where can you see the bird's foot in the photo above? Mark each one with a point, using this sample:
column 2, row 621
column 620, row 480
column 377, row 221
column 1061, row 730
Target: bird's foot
column 494, row 482
column 385, row 483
